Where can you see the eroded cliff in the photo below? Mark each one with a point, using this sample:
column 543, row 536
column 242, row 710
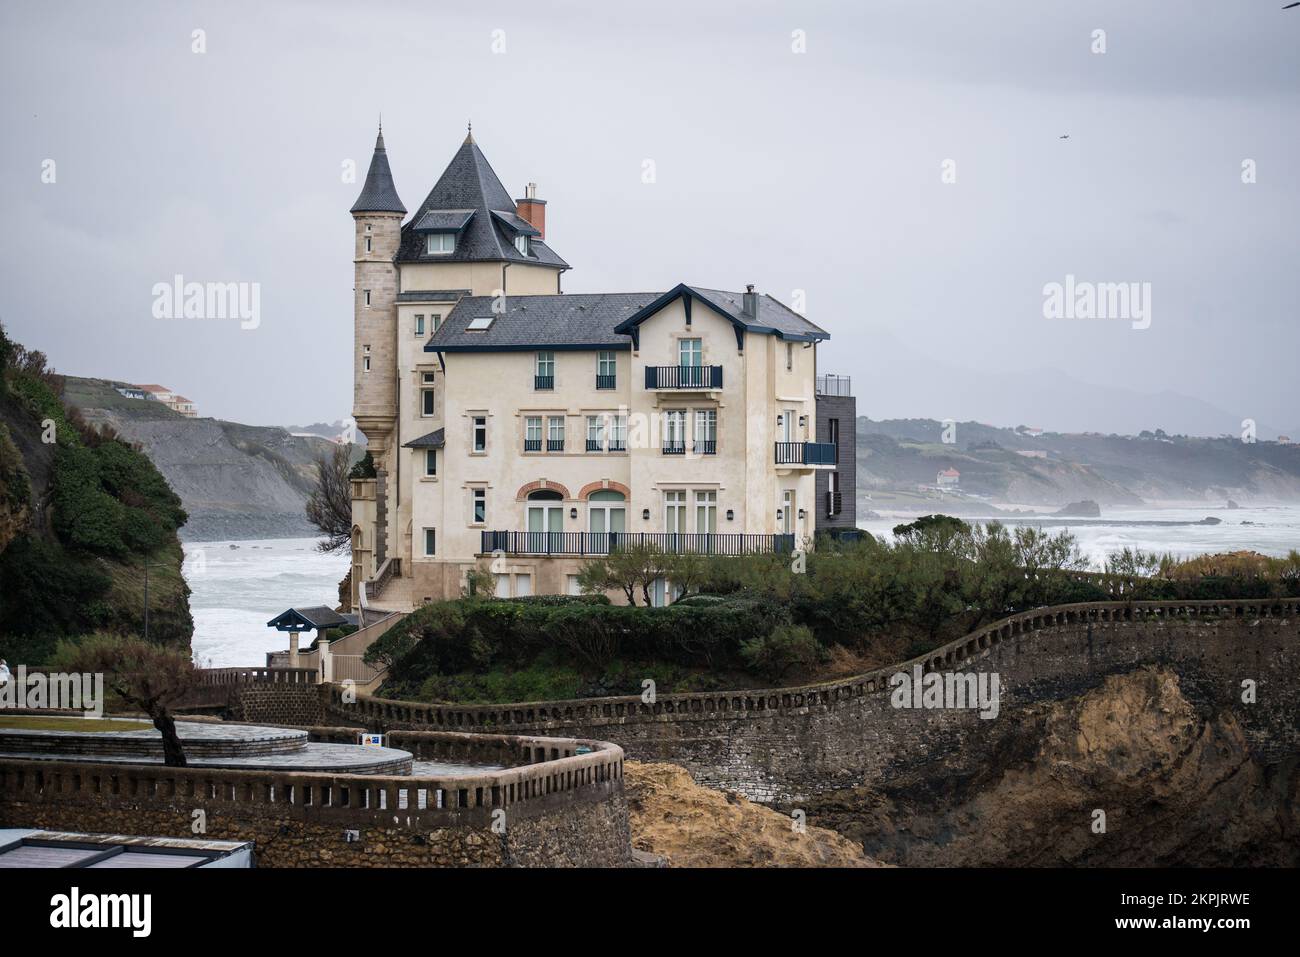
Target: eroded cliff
column 1177, row 786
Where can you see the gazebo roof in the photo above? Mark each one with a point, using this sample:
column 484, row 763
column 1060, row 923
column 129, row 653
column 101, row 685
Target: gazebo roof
column 306, row 619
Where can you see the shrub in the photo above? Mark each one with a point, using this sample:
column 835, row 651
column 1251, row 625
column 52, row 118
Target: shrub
column 788, row 647
column 556, row 601
column 85, row 516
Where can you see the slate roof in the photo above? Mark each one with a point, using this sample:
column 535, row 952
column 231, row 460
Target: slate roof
column 468, row 183
column 432, row 295
column 379, row 195
column 317, row 616
column 442, row 220
column 560, row 322
column 774, row 318
column 515, row 223
column 433, row 440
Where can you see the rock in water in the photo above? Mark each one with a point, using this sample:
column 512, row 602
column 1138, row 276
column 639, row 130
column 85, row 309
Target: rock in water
column 1085, row 509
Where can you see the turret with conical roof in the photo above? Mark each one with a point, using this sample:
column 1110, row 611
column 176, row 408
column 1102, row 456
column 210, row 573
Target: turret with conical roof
column 379, row 195
column 377, row 215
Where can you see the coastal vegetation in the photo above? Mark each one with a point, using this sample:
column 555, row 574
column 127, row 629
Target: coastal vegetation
column 760, row 620
column 81, row 513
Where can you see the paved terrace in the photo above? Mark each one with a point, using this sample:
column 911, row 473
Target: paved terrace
column 207, row 745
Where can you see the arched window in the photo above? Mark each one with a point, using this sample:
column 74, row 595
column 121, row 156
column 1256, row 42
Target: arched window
column 606, row 512
column 544, row 521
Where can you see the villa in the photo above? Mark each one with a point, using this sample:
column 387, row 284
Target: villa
column 519, row 427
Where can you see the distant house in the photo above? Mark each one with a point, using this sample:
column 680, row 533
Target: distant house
column 948, row 476
column 131, row 392
column 1032, row 453
column 1031, row 431
column 173, row 401
column 159, row 393
column 1284, row 440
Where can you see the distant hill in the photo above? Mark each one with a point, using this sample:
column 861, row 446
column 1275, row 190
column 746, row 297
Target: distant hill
column 236, row 481
column 1063, row 468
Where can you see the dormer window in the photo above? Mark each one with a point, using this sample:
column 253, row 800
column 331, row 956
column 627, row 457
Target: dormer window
column 522, row 244
column 441, row 243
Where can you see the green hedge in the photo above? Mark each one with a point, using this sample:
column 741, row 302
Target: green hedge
column 476, row 635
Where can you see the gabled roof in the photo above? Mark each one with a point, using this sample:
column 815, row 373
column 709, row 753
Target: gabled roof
column 433, row 440
column 379, row 195
column 773, row 317
column 469, row 184
column 568, row 322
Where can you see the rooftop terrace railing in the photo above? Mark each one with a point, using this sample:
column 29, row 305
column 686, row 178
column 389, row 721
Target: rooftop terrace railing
column 837, row 385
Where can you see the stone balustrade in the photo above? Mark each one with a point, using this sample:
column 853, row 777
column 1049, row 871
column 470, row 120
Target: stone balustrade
column 388, row 712
column 561, row 802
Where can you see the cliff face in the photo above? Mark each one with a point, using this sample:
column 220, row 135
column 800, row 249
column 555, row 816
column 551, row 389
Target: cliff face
column 236, row 481
column 80, row 515
column 1177, row 787
column 687, row 825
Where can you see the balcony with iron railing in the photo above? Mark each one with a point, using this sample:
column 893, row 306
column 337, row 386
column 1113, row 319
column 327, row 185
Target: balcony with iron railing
column 595, row 445
column 603, row 543
column 683, row 377
column 532, row 445
column 544, row 383
column 555, row 445
column 617, row 445
column 806, row 454
column 606, row 381
column 706, row 446
column 674, row 448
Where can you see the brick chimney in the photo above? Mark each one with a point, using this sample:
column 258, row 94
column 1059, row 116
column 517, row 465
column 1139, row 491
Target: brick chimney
column 532, row 209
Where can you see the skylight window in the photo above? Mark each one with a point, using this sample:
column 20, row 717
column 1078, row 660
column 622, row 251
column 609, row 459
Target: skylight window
column 479, row 323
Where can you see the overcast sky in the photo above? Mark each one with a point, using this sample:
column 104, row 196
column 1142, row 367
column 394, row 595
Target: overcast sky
column 818, row 171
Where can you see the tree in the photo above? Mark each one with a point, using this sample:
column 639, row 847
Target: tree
column 631, row 568
column 329, row 507
column 149, row 676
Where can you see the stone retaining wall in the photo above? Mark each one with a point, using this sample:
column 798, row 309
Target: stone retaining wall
column 783, row 745
column 277, row 704
column 565, row 811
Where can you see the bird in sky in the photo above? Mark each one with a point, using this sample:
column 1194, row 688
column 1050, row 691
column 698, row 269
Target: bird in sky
column 1290, row 5
column 1066, row 136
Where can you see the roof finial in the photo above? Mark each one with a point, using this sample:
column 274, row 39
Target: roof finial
column 469, row 132
column 379, row 140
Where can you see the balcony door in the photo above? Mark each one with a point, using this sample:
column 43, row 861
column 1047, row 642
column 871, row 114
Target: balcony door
column 690, row 361
column 545, row 522
column 606, row 514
